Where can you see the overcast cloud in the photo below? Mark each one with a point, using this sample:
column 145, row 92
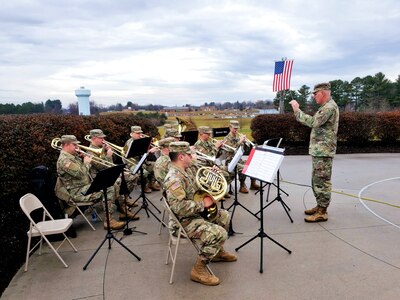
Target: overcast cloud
column 188, row 52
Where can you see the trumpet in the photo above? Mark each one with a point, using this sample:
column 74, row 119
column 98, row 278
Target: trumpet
column 224, row 146
column 247, row 141
column 204, row 157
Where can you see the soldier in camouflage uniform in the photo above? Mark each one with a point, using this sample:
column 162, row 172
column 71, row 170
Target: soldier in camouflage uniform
column 234, row 139
column 173, row 133
column 162, row 164
column 180, row 188
column 97, row 142
column 323, row 141
column 148, row 173
column 74, row 176
column 207, row 147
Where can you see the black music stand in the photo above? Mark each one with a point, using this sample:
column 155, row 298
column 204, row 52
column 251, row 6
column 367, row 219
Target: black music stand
column 190, row 136
column 265, row 167
column 140, row 147
column 104, row 179
column 276, row 142
column 125, row 191
column 233, row 165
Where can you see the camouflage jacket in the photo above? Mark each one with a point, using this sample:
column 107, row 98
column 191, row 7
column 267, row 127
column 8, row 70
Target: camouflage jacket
column 73, row 173
column 95, row 167
column 232, row 140
column 161, row 168
column 180, row 187
column 324, row 124
column 206, row 147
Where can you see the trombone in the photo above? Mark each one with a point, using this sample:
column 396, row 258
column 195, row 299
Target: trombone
column 117, row 150
column 95, row 153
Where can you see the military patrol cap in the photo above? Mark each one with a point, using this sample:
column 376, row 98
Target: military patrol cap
column 97, row 133
column 136, row 129
column 180, row 147
column 234, row 124
column 69, row 139
column 164, row 143
column 173, row 132
column 205, row 129
column 322, row 86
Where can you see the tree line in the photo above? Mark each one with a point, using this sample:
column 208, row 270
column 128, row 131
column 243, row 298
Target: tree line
column 367, row 94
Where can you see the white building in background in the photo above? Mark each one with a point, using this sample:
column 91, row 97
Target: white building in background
column 83, row 101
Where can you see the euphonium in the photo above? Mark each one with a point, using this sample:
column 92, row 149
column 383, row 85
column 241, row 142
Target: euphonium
column 213, row 184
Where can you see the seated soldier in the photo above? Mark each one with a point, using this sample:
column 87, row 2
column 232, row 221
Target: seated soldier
column 180, row 188
column 150, row 182
column 74, row 176
column 235, row 139
column 173, row 132
column 162, row 164
column 97, row 142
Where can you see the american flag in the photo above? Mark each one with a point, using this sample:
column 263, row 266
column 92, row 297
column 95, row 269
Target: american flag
column 282, row 74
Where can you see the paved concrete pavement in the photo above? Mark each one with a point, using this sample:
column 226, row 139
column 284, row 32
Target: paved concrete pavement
column 355, row 255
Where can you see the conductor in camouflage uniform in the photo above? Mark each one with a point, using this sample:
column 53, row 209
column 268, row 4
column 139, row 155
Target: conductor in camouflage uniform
column 234, row 139
column 323, row 140
column 180, row 188
column 97, row 142
column 74, row 176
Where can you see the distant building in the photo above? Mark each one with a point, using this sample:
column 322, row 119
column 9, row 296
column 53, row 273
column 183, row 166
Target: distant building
column 83, row 101
column 268, row 111
column 176, row 109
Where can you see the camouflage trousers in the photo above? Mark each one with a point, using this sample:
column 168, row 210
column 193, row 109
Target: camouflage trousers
column 321, row 179
column 131, row 182
column 239, row 169
column 211, row 235
column 77, row 196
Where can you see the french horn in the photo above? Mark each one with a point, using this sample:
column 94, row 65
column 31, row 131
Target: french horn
column 212, row 184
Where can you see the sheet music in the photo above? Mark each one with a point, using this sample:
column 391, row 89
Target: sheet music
column 235, row 159
column 140, row 163
column 263, row 163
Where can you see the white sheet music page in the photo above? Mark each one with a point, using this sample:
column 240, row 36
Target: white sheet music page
column 263, row 163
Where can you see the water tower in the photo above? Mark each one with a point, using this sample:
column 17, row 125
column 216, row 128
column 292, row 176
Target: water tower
column 83, row 101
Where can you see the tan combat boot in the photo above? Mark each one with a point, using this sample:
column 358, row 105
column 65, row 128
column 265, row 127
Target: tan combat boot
column 146, row 189
column 131, row 203
column 223, row 255
column 243, row 188
column 154, row 185
column 311, row 211
column 227, row 196
column 126, row 214
column 320, row 215
column 254, row 185
column 200, row 274
column 114, row 224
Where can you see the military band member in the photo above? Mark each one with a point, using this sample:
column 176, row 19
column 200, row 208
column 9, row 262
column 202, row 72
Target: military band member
column 162, row 164
column 97, row 142
column 173, row 132
column 234, row 139
column 74, row 176
column 207, row 147
column 151, row 184
column 180, row 188
column 323, row 140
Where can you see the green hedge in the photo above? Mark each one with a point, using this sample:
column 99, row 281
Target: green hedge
column 355, row 129
column 25, row 143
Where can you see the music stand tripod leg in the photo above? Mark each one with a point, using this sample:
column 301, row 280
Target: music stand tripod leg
column 109, row 235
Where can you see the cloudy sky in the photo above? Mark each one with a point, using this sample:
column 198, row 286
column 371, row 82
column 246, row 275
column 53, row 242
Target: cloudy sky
column 188, row 52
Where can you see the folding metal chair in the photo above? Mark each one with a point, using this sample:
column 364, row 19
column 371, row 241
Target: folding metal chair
column 175, row 240
column 29, row 203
